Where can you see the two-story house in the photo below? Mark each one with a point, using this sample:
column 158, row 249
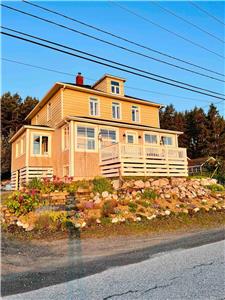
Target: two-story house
column 85, row 131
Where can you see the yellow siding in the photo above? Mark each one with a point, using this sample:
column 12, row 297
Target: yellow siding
column 76, row 103
column 56, row 106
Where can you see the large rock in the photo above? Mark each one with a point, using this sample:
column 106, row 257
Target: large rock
column 160, row 182
column 208, row 181
column 139, row 184
column 116, row 184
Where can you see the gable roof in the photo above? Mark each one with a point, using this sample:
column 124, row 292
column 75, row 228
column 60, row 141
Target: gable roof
column 110, row 76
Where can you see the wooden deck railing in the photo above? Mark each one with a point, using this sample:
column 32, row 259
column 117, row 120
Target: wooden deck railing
column 143, row 160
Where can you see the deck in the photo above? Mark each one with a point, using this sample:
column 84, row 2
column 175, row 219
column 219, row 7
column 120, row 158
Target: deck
column 142, row 160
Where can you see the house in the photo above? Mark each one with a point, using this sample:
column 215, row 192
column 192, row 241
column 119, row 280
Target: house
column 202, row 165
column 85, row 131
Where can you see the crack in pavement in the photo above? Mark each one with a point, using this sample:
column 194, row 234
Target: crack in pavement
column 121, row 294
column 156, row 287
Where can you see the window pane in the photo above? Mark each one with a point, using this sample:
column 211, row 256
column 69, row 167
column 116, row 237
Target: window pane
column 130, row 139
column 81, row 131
column 81, row 143
column 91, row 144
column 104, row 133
column 44, row 146
column 36, row 145
column 150, row 139
column 91, row 132
column 112, row 134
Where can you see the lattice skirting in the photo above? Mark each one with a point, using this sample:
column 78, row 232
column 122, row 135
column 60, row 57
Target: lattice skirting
column 22, row 176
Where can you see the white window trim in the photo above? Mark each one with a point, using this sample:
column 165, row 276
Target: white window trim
column 98, row 101
column 66, row 166
column 120, row 108
column 96, row 138
column 135, row 134
column 20, row 146
column 63, row 138
column 115, row 86
column 139, row 113
column 49, row 154
column 151, row 133
column 108, row 128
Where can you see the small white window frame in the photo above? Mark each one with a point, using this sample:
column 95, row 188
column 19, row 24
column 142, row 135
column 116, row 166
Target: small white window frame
column 115, row 87
column 118, row 104
column 133, row 133
column 96, row 100
column 49, row 154
column 138, row 120
column 151, row 133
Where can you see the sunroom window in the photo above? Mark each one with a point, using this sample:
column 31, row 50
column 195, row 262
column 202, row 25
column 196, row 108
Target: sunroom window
column 115, row 87
column 85, row 138
column 150, row 139
column 108, row 137
column 40, row 145
column 167, row 140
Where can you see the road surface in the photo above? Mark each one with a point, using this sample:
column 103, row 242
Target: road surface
column 175, row 270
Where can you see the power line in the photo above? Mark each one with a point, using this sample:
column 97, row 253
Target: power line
column 110, row 43
column 111, row 61
column 108, row 65
column 124, row 39
column 165, row 29
column 187, row 21
column 92, row 79
column 206, row 12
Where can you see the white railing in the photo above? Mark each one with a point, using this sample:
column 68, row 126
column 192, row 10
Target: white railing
column 126, row 151
column 144, row 160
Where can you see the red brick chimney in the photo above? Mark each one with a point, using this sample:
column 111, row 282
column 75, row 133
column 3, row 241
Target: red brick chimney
column 79, row 79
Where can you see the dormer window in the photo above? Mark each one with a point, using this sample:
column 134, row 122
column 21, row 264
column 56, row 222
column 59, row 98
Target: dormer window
column 115, row 87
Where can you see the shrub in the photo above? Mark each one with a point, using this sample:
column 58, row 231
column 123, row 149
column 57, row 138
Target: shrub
column 52, row 220
column 149, row 194
column 108, row 208
column 132, row 206
column 23, row 202
column 102, row 184
column 35, row 183
column 216, row 187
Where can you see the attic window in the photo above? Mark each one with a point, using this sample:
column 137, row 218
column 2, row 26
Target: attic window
column 115, row 87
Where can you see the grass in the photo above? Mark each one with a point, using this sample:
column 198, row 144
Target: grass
column 174, row 223
column 4, row 196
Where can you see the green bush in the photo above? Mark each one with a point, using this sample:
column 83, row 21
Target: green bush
column 21, row 203
column 35, row 183
column 108, row 208
column 132, row 207
column 149, row 194
column 102, row 184
column 220, row 178
column 216, row 187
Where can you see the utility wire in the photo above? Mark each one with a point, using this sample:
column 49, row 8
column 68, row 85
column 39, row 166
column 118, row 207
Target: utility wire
column 108, row 65
column 120, row 37
column 206, row 12
column 187, row 21
column 166, row 29
column 94, row 80
column 110, row 43
column 111, row 61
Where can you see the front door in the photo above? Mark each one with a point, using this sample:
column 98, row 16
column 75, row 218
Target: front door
column 131, row 138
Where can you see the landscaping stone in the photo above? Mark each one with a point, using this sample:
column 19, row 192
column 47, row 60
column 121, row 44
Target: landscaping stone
column 105, row 194
column 116, row 184
column 160, row 182
column 139, row 184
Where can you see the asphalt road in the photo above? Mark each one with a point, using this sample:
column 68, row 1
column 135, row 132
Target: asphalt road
column 190, row 267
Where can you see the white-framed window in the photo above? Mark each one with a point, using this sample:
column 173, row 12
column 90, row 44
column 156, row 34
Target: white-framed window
column 86, row 138
column 40, row 145
column 131, row 137
column 115, row 87
column 116, row 110
column 20, row 146
column 65, row 137
column 49, row 111
column 135, row 113
column 166, row 140
column 108, row 137
column 151, row 138
column 94, row 107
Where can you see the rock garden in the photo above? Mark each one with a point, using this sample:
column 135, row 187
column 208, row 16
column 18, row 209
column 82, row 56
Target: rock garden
column 61, row 205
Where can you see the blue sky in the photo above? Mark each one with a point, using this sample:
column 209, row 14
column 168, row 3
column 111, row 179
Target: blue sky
column 110, row 17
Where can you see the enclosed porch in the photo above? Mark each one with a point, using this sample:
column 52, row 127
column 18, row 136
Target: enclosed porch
column 143, row 160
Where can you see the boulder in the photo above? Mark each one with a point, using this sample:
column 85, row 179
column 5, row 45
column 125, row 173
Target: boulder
column 116, row 184
column 139, row 184
column 160, row 182
column 105, row 194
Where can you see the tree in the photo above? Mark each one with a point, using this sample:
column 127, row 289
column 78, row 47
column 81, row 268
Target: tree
column 13, row 113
